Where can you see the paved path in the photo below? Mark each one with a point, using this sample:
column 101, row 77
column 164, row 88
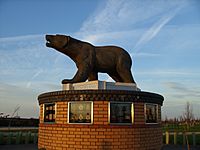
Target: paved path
column 34, row 147
column 179, row 147
column 19, row 147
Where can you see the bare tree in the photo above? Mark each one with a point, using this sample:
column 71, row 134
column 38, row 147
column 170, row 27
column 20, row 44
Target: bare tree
column 188, row 115
column 13, row 114
column 188, row 118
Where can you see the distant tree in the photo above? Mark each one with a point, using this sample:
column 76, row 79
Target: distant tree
column 1, row 115
column 188, row 116
column 166, row 118
column 13, row 114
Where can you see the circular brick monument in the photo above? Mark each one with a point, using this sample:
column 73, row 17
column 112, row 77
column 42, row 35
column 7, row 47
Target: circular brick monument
column 100, row 115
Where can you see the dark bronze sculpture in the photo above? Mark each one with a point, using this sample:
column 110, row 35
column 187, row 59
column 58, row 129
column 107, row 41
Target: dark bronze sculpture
column 90, row 60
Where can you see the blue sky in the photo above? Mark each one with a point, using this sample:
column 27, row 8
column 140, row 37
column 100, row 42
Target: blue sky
column 162, row 36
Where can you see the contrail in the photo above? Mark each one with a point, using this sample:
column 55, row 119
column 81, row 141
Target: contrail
column 34, row 76
column 155, row 29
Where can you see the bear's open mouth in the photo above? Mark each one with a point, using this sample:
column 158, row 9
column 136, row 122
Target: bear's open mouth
column 48, row 43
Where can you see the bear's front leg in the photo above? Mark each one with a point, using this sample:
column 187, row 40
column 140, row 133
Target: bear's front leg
column 65, row 81
column 80, row 76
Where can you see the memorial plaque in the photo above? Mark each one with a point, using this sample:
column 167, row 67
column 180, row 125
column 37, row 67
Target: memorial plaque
column 80, row 112
column 151, row 113
column 49, row 112
column 121, row 113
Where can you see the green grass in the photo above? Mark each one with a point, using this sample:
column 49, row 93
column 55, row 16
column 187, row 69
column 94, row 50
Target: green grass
column 181, row 128
column 180, row 139
column 4, row 138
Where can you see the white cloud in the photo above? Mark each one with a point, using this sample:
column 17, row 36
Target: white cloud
column 26, row 58
column 184, row 91
column 33, row 77
column 168, row 72
column 12, row 96
column 142, row 54
column 20, row 38
column 176, row 93
column 155, row 28
column 125, row 15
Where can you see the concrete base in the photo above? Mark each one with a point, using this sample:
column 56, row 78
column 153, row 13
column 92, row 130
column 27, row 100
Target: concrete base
column 101, row 85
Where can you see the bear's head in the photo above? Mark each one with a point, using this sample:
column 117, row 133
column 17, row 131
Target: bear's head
column 57, row 41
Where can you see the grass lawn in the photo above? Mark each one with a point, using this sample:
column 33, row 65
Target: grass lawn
column 180, row 137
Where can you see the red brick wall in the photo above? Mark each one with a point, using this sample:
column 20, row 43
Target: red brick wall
column 99, row 135
column 41, row 113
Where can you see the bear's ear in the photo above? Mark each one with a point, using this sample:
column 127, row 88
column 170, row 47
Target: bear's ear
column 68, row 39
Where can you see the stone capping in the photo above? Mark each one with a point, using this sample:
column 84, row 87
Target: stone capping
column 101, row 95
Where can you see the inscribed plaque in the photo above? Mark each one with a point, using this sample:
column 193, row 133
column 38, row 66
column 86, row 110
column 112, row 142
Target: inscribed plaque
column 121, row 113
column 49, row 112
column 80, row 112
column 151, row 113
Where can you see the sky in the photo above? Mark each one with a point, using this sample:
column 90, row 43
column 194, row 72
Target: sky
column 162, row 37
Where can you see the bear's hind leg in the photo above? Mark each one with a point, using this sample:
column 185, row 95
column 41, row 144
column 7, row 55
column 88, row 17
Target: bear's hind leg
column 115, row 76
column 93, row 76
column 125, row 74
